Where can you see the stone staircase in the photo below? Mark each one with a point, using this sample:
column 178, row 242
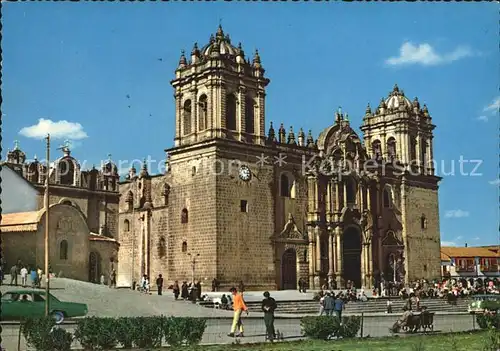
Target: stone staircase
column 370, row 306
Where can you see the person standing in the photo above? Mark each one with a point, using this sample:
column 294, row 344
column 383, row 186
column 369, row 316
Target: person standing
column 238, row 307
column 24, row 277
column 159, row 283
column 269, row 306
column 13, row 275
column 176, row 290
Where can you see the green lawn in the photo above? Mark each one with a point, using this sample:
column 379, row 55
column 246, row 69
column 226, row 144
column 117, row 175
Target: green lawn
column 454, row 342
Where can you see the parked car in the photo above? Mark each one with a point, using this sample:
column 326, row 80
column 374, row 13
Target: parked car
column 481, row 303
column 19, row 304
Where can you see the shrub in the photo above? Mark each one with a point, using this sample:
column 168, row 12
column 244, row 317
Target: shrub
column 486, row 320
column 350, row 327
column 180, row 331
column 37, row 332
column 41, row 334
column 61, row 339
column 147, row 331
column 95, row 333
column 492, row 340
column 320, row 327
column 124, row 327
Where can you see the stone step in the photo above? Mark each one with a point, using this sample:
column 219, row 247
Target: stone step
column 300, row 307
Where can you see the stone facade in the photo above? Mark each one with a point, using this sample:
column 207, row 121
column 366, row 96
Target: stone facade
column 237, row 205
column 70, row 242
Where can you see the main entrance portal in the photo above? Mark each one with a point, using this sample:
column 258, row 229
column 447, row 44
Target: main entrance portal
column 351, row 254
column 289, row 270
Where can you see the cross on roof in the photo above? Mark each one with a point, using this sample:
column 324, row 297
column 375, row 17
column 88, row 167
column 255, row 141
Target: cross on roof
column 16, row 144
column 109, row 157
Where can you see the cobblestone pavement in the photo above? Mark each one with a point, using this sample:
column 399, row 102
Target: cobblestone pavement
column 217, row 329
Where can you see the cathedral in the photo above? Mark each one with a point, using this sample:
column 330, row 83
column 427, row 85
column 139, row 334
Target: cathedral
column 241, row 200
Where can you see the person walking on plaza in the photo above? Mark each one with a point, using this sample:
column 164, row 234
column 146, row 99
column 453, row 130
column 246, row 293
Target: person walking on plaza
column 238, row 307
column 329, row 304
column 159, row 283
column 339, row 306
column 269, row 306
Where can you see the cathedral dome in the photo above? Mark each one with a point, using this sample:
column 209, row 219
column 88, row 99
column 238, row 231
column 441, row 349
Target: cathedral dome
column 397, row 100
column 337, row 134
column 221, row 43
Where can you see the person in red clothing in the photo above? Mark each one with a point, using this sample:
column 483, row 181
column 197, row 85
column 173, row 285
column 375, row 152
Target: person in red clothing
column 239, row 307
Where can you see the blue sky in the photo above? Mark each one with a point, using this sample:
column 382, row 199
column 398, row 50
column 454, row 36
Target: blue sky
column 76, row 62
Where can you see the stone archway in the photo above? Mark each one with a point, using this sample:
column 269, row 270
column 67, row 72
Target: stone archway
column 289, row 270
column 94, row 267
column 351, row 255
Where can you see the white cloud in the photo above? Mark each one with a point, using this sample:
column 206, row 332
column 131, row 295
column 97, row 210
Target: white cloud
column 425, row 55
column 482, row 118
column 57, row 130
column 456, row 214
column 494, row 106
column 477, row 238
column 448, row 243
column 495, row 182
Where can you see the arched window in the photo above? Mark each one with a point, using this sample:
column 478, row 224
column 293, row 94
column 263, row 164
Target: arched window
column 166, row 193
column 413, row 150
column 387, row 198
column 351, row 191
column 184, row 246
column 126, row 225
column 376, row 148
column 66, row 170
column 186, row 117
column 63, row 250
column 184, row 216
column 230, row 112
column 423, row 222
column 249, row 115
column 286, row 186
column 33, row 172
column 202, row 112
column 391, row 147
column 162, row 247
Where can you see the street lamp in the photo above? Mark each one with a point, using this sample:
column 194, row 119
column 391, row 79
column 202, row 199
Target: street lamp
column 193, row 264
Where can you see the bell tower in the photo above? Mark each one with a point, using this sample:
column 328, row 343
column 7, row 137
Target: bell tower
column 219, row 94
column 400, row 130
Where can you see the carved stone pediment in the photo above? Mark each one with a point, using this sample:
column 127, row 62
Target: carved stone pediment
column 291, row 231
column 392, row 239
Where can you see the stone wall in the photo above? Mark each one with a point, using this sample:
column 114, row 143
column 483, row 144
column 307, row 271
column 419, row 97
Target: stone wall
column 423, row 245
column 18, row 246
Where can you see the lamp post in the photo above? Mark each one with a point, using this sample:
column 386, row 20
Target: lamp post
column 47, row 204
column 193, row 264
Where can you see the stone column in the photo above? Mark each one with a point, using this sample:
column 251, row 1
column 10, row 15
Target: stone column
column 260, row 128
column 430, row 153
column 240, row 112
column 339, row 198
column 361, row 191
column 329, row 202
column 318, row 249
column 311, row 259
column 417, row 151
column 345, row 193
column 404, row 229
column 339, row 267
column 331, row 253
column 194, row 110
column 178, row 120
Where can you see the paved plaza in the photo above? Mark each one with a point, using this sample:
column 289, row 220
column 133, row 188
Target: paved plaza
column 105, row 302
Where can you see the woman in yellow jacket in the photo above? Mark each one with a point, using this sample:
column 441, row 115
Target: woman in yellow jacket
column 239, row 307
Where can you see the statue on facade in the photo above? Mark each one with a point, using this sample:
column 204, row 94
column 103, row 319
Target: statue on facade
column 366, row 224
